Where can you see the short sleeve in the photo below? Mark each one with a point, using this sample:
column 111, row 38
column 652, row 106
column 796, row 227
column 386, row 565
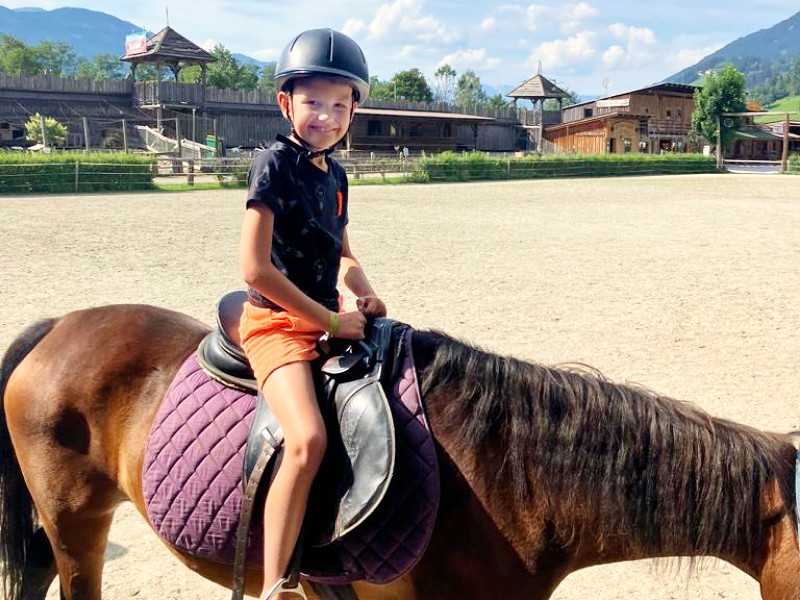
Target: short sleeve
column 265, row 182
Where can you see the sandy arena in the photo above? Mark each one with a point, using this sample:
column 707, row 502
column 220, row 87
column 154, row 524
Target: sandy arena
column 689, row 285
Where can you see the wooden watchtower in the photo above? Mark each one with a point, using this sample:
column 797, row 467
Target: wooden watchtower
column 169, row 49
column 537, row 89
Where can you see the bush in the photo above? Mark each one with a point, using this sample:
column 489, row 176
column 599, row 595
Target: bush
column 794, row 163
column 471, row 166
column 75, row 172
column 56, row 132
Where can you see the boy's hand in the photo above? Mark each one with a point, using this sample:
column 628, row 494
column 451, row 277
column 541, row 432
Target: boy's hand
column 371, row 306
column 351, row 326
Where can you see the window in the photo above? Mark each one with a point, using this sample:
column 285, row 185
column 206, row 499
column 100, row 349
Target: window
column 5, row 126
column 669, row 113
column 393, row 130
column 626, row 145
column 587, row 113
column 447, row 130
column 374, row 128
column 643, row 128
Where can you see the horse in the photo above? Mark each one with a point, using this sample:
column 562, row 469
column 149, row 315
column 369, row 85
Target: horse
column 543, row 470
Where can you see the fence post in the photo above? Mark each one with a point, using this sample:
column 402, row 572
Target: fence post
column 77, row 176
column 178, row 136
column 190, row 168
column 44, row 130
column 125, row 135
column 85, row 134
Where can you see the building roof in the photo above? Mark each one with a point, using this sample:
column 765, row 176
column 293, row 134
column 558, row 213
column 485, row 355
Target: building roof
column 422, row 114
column 603, row 117
column 536, row 88
column 169, row 46
column 678, row 88
column 760, row 134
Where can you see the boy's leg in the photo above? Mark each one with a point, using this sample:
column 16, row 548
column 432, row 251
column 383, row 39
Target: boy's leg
column 291, row 397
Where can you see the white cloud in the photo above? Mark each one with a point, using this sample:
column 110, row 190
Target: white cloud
column 407, row 52
column 474, row 58
column 488, row 23
column 639, row 47
column 561, row 53
column 685, row 57
column 353, row 26
column 568, row 18
column 402, row 19
column 613, row 55
column 208, row 44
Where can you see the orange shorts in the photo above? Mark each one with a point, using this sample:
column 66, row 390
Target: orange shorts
column 273, row 338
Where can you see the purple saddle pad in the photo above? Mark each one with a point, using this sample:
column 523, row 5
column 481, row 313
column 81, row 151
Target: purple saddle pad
column 192, row 482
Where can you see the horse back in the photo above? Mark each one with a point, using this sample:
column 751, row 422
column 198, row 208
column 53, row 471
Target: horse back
column 89, row 391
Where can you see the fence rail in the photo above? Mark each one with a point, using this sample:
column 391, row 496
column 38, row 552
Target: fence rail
column 72, row 85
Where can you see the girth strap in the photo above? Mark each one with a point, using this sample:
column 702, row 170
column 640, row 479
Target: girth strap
column 252, row 479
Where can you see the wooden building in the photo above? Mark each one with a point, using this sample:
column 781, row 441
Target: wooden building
column 246, row 119
column 105, row 114
column 654, row 119
column 538, row 89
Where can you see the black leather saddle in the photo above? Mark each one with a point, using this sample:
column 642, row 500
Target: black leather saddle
column 351, row 380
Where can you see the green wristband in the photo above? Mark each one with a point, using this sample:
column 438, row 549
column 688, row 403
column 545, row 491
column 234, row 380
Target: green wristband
column 333, row 325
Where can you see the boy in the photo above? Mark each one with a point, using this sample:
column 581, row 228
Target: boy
column 293, row 246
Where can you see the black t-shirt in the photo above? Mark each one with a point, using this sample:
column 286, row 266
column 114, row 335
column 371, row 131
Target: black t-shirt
column 310, row 208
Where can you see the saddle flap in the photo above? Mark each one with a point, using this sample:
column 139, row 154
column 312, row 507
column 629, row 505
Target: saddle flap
column 345, row 364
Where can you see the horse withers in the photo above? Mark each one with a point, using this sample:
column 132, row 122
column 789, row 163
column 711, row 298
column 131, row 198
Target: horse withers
column 543, row 471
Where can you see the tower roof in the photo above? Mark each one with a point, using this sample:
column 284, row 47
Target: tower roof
column 538, row 87
column 170, row 47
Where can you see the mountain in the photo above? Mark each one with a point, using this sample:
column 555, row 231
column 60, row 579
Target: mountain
column 89, row 32
column 753, row 54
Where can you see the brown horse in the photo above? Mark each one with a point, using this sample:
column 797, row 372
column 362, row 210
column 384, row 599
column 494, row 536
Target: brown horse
column 543, row 471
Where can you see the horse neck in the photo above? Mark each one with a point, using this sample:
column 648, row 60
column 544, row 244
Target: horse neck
column 591, row 472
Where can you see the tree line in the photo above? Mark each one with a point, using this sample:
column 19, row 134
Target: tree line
column 783, row 81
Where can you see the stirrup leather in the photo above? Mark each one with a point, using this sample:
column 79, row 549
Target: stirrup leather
column 285, row 585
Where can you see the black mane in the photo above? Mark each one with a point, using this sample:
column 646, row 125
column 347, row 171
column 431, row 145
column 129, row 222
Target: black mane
column 661, row 472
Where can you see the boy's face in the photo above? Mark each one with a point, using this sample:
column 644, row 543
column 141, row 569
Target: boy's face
column 320, row 110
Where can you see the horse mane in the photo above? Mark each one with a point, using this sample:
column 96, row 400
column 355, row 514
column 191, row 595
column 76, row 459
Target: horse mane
column 664, row 474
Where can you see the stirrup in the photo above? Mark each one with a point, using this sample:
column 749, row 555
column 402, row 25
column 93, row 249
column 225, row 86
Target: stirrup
column 283, row 586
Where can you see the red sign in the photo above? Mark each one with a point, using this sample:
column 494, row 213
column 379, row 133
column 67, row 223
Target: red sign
column 136, row 43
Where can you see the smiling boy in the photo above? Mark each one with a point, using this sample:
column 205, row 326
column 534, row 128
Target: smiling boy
column 293, row 249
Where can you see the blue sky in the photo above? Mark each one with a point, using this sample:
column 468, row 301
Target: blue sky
column 627, row 43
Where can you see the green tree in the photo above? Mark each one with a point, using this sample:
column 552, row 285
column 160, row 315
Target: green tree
column 411, row 85
column 722, row 92
column 55, row 58
column 380, row 90
column 56, row 132
column 469, row 91
column 267, row 80
column 445, row 83
column 498, row 102
column 17, row 58
column 229, row 74
column 101, row 67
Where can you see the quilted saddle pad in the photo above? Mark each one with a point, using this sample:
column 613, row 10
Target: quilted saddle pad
column 192, row 482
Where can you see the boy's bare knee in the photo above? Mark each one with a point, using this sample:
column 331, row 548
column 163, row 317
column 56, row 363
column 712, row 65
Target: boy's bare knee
column 308, row 450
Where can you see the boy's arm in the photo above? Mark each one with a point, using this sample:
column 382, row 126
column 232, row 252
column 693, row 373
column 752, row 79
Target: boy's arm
column 255, row 263
column 356, row 281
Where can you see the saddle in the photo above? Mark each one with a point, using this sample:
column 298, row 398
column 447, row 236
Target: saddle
column 350, row 378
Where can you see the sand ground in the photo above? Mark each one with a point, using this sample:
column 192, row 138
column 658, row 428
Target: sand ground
column 689, row 285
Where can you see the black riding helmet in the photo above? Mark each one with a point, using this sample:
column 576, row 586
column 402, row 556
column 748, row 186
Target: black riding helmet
column 324, row 52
